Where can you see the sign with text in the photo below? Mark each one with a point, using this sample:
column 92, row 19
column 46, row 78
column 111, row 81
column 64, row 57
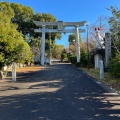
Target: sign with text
column 107, row 48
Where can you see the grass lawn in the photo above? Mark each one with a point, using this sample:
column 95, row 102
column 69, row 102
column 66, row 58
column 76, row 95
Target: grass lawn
column 108, row 79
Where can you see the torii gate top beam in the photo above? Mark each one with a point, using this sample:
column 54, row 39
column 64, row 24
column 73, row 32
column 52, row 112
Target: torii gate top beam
column 57, row 31
column 61, row 22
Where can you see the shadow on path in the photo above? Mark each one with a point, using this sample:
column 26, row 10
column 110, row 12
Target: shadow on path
column 59, row 92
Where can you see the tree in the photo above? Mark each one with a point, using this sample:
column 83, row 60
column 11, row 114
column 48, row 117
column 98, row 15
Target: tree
column 11, row 41
column 20, row 31
column 22, row 17
column 72, row 38
column 63, row 54
column 44, row 17
column 57, row 50
column 115, row 35
column 72, row 43
column 6, row 9
column 115, row 29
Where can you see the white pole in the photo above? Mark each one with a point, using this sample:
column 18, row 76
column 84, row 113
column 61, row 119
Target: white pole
column 13, row 71
column 43, row 45
column 101, row 70
column 49, row 48
column 77, row 43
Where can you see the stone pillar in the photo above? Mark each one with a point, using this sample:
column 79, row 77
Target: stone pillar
column 107, row 48
column 43, row 46
column 13, row 71
column 77, row 43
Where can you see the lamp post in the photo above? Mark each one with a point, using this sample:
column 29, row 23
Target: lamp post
column 87, row 46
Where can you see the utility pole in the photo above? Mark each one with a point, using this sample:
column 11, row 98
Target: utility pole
column 87, row 47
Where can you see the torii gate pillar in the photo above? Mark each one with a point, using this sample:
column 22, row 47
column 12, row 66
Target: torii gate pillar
column 43, row 45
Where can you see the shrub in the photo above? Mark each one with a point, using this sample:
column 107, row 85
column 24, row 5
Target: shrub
column 78, row 64
column 63, row 56
column 73, row 59
column 84, row 58
column 5, row 72
column 114, row 66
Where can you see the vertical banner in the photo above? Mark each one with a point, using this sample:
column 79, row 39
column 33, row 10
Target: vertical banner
column 107, row 48
column 13, row 71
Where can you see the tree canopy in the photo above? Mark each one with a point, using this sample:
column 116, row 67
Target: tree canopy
column 72, row 38
column 115, row 28
column 17, row 37
column 12, row 42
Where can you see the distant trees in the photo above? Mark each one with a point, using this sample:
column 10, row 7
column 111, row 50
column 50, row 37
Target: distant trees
column 72, row 51
column 72, row 43
column 56, row 51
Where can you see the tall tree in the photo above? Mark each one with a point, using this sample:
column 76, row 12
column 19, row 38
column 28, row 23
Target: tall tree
column 115, row 28
column 11, row 41
column 114, row 66
column 22, row 17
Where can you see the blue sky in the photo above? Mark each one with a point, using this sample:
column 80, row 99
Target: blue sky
column 71, row 10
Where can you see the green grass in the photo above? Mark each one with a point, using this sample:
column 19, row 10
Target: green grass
column 108, row 79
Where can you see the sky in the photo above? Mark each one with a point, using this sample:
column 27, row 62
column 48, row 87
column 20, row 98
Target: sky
column 71, row 10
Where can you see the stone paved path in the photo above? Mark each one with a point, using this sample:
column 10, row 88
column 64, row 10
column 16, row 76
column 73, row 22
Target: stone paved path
column 58, row 92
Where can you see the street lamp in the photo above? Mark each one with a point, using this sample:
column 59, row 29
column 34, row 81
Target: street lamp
column 87, row 46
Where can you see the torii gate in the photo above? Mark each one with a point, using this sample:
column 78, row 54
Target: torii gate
column 60, row 28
